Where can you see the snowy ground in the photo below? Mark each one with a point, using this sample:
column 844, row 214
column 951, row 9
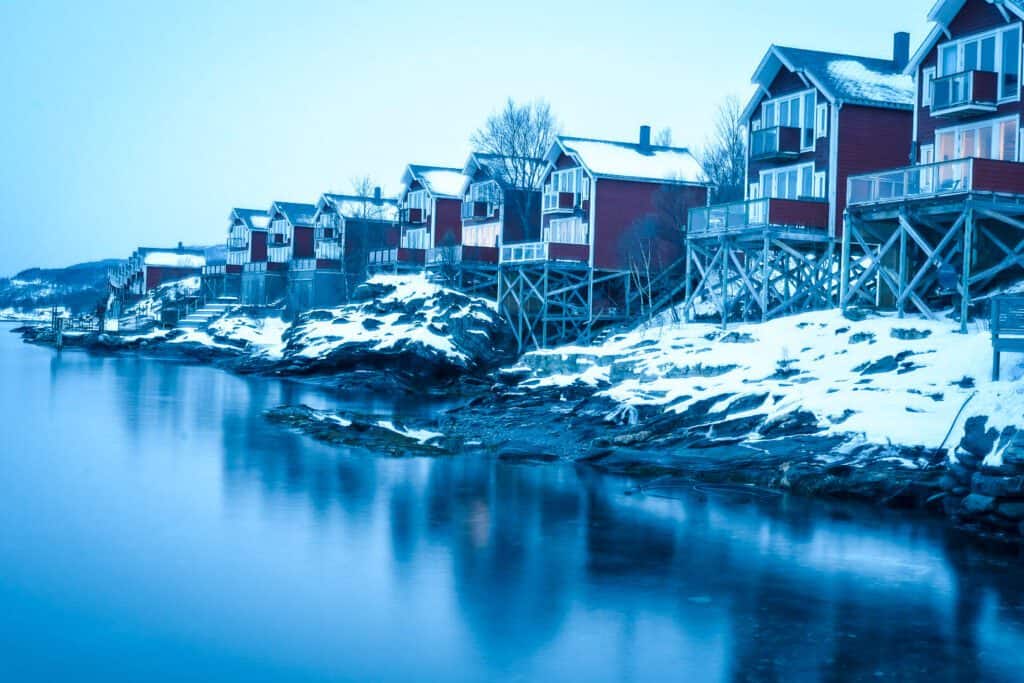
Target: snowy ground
column 881, row 380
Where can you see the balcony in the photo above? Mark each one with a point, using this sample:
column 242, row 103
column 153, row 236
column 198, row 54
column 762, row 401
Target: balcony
column 476, row 210
column 238, row 243
column 942, row 179
column 328, row 250
column 723, row 219
column 414, row 216
column 278, row 253
column 531, row 252
column 775, row 144
column 559, row 202
column 965, row 94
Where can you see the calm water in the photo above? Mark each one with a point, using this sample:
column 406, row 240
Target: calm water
column 154, row 527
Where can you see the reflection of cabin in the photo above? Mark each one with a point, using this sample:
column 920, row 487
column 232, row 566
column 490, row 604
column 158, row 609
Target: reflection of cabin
column 817, row 118
column 947, row 231
column 611, row 235
column 347, row 228
column 429, row 206
column 246, row 243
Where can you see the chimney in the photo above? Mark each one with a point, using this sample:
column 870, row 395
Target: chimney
column 181, row 247
column 645, row 137
column 376, row 194
column 901, row 50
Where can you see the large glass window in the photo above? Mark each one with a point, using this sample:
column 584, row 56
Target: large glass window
column 986, row 140
column 996, row 51
column 1009, row 82
column 792, row 111
column 791, row 182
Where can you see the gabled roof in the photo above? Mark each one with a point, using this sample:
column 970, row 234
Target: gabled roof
column 351, row 206
column 630, row 160
column 439, row 181
column 943, row 13
column 518, row 172
column 842, row 78
column 254, row 219
column 299, row 215
column 180, row 257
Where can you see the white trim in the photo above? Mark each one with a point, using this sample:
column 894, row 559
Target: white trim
column 819, row 185
column 925, row 95
column 821, row 121
column 833, row 168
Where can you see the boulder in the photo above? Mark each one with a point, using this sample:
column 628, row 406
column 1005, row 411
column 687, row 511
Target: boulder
column 1012, row 510
column 977, row 504
column 998, row 487
column 977, row 440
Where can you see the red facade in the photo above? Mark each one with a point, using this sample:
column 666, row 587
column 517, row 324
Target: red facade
column 627, row 220
column 158, row 275
column 257, row 246
column 302, row 243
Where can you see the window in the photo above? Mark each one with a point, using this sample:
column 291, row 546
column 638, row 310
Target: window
column 481, row 235
column 570, row 180
column 927, row 75
column 820, row 185
column 927, row 154
column 484, row 192
column 566, row 231
column 754, row 191
column 994, row 51
column 821, row 121
column 987, row 140
column 792, row 111
column 417, row 200
column 791, row 182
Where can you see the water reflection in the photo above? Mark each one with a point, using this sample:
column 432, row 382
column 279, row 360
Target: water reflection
column 481, row 570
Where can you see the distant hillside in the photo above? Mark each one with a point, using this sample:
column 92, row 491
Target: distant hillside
column 79, row 287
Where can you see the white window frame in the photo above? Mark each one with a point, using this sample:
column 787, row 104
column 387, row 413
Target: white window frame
column 821, row 121
column 927, row 76
column 800, row 99
column 927, row 154
column 567, row 231
column 998, row 34
column 819, row 185
column 775, row 173
column 994, row 123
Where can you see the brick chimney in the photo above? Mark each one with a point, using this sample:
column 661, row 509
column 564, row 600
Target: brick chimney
column 645, row 137
column 901, row 50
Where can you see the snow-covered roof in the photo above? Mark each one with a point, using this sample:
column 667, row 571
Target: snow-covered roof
column 353, row 206
column 842, row 78
column 518, row 172
column 173, row 258
column 439, row 181
column 254, row 219
column 630, row 160
column 299, row 215
column 942, row 15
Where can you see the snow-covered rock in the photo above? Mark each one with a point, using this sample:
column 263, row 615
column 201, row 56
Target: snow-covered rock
column 403, row 323
column 881, row 379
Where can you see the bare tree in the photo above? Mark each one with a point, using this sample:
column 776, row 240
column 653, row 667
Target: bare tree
column 364, row 188
column 724, row 156
column 522, row 134
column 663, row 138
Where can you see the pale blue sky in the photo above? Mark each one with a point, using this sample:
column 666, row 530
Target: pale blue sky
column 128, row 123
